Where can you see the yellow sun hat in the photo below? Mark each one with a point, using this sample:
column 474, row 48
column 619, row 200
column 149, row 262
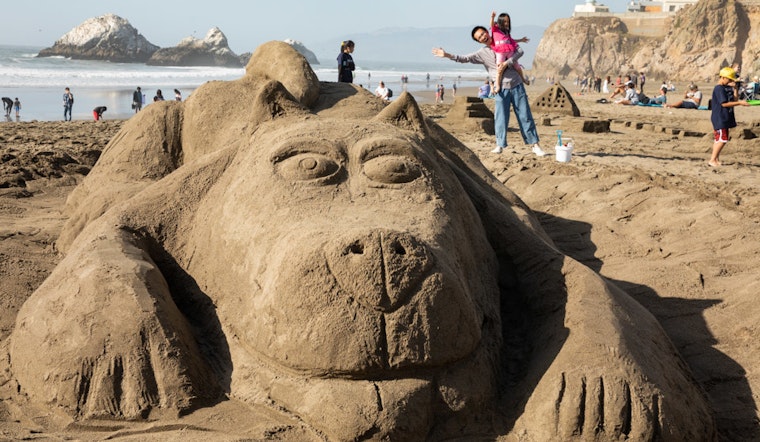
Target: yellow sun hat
column 729, row 73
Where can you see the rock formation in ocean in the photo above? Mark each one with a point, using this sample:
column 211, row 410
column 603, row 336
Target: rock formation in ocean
column 108, row 37
column 700, row 39
column 213, row 50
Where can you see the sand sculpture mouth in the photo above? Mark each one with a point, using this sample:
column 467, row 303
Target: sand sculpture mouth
column 400, row 310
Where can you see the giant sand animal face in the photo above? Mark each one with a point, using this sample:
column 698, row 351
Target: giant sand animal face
column 298, row 245
column 354, row 253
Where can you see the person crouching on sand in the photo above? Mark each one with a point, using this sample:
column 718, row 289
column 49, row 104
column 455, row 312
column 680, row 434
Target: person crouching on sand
column 97, row 113
column 722, row 115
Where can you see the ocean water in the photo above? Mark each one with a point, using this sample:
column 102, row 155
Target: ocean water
column 39, row 82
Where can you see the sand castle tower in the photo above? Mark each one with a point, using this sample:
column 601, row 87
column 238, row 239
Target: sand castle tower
column 471, row 112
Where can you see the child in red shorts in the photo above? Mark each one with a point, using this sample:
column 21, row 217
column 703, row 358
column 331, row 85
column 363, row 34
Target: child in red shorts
column 722, row 117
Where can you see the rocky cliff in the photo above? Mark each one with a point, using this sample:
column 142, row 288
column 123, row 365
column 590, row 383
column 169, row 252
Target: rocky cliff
column 212, row 50
column 108, row 37
column 702, row 38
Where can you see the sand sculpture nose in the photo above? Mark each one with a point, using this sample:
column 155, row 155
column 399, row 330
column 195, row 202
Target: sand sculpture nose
column 381, row 269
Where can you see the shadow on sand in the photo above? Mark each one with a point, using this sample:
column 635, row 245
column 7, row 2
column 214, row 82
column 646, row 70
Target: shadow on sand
column 723, row 379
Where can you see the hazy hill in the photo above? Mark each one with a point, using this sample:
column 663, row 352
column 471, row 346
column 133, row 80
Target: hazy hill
column 414, row 44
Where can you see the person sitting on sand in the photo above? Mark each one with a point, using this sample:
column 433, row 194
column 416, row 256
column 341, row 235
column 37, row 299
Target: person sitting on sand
column 382, row 91
column 691, row 99
column 622, row 88
column 631, row 96
column 662, row 98
column 484, row 91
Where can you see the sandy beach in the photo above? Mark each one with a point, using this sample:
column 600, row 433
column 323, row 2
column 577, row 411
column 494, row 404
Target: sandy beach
column 638, row 204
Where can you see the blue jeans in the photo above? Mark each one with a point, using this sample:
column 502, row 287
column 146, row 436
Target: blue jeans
column 67, row 110
column 518, row 98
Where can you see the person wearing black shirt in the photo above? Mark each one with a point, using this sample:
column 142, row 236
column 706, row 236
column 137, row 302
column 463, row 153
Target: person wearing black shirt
column 346, row 62
column 97, row 113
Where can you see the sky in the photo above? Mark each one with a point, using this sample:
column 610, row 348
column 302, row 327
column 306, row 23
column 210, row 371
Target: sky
column 248, row 23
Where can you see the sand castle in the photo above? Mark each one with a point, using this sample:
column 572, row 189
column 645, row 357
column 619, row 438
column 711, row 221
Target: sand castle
column 305, row 247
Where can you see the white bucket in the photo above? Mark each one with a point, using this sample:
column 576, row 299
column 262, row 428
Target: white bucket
column 564, row 152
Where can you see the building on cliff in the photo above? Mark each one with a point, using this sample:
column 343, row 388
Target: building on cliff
column 591, row 8
column 643, row 18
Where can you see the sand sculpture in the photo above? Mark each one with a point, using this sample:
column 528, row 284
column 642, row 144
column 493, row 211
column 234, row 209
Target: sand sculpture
column 557, row 99
column 300, row 245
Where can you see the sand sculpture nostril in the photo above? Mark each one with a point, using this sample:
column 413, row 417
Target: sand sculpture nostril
column 399, row 249
column 381, row 269
column 355, row 249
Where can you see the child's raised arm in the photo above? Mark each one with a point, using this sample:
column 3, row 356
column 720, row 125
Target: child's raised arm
column 493, row 15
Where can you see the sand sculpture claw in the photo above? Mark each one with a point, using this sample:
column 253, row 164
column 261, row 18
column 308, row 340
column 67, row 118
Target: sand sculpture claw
column 115, row 344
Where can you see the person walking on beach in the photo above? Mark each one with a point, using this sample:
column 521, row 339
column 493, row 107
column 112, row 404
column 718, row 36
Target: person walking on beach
column 97, row 113
column 177, row 95
column 17, row 107
column 724, row 99
column 137, row 100
column 159, row 96
column 346, row 62
column 68, row 104
column 7, row 106
column 511, row 92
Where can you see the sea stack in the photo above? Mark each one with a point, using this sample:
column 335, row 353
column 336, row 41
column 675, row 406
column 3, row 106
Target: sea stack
column 213, row 50
column 108, row 38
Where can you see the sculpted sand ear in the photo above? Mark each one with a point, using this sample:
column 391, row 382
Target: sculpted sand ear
column 278, row 60
column 405, row 113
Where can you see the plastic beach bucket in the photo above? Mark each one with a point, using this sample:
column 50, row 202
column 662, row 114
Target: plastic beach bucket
column 564, row 152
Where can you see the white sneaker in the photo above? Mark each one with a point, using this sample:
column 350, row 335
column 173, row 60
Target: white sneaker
column 538, row 151
column 497, row 149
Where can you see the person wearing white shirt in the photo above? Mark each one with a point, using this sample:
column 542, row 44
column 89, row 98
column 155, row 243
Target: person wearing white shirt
column 382, row 91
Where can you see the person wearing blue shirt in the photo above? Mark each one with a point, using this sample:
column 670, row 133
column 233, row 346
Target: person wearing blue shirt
column 722, row 115
column 346, row 62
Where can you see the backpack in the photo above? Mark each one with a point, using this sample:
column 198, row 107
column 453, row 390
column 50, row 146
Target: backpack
column 643, row 99
column 390, row 93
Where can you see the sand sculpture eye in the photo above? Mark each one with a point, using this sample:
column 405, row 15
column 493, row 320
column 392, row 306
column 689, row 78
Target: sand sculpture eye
column 392, row 169
column 308, row 166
